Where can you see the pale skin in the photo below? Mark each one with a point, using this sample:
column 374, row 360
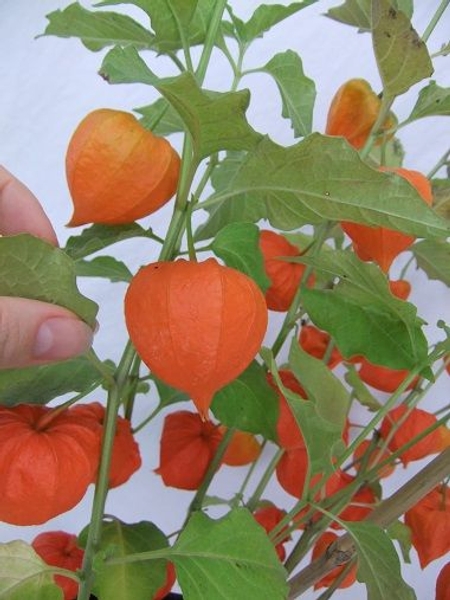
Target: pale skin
column 33, row 332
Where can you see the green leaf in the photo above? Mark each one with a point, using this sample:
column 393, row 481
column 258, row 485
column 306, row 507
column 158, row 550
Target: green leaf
column 322, row 436
column 266, row 16
column 401, row 533
column 234, row 210
column 322, row 178
column 358, row 12
column 237, row 244
column 215, row 120
column 39, row 385
column 248, row 403
column 160, row 118
column 331, row 399
column 169, row 16
column 378, row 563
column 32, row 268
column 432, row 101
column 401, row 55
column 97, row 29
column 104, row 266
column 167, row 394
column 97, row 237
column 360, row 391
column 132, row 580
column 361, row 308
column 297, row 91
column 231, row 557
column 433, row 257
column 441, row 197
column 23, row 574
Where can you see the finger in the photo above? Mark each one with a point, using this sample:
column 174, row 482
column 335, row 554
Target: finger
column 34, row 333
column 20, row 211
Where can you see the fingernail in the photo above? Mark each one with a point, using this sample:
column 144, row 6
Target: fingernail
column 59, row 338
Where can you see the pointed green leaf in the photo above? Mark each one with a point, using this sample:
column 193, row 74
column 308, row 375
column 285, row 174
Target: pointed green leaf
column 168, row 16
column 331, row 399
column 103, row 266
column 39, row 385
column 266, row 16
column 248, row 403
column 322, row 436
column 160, row 118
column 360, row 391
column 433, row 257
column 97, row 237
column 402, row 57
column 323, row 178
column 433, row 100
column 401, row 533
column 297, row 91
column 358, row 12
column 215, row 120
column 378, row 563
column 32, row 268
column 237, row 244
column 233, row 210
column 231, row 557
column 361, row 308
column 138, row 580
column 167, row 394
column 23, row 574
column 441, row 197
column 97, row 29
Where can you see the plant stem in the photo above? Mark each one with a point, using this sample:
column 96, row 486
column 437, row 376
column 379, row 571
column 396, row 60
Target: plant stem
column 442, row 161
column 101, row 486
column 386, row 513
column 256, row 496
column 210, row 41
column 386, row 103
column 197, row 501
column 435, row 19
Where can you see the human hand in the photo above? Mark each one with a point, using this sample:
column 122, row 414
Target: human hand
column 33, row 332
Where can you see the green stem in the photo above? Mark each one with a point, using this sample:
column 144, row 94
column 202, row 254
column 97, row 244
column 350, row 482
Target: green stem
column 256, row 496
column 103, row 369
column 197, row 501
column 442, row 162
column 435, row 19
column 101, row 486
column 386, row 103
column 238, row 498
column 213, row 27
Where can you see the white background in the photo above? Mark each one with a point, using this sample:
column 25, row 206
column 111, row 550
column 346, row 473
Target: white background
column 48, row 85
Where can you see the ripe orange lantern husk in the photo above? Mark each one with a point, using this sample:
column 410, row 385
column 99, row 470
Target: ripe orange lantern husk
column 47, row 461
column 353, row 112
column 196, row 325
column 381, row 244
column 118, row 171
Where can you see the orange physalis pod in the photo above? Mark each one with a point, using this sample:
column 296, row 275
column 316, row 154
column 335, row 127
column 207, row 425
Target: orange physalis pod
column 315, row 342
column 60, row 549
column 118, row 171
column 443, row 583
column 187, row 447
column 196, row 325
column 268, row 516
column 411, row 426
column 353, row 112
column 243, row 448
column 284, row 276
column 380, row 244
column 429, row 522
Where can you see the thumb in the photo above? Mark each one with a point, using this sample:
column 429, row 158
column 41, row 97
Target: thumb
column 34, row 333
